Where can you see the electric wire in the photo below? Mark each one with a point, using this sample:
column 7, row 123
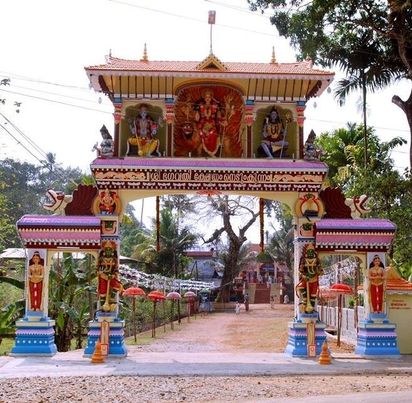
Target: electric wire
column 54, row 93
column 202, row 21
column 59, row 172
column 55, row 101
column 26, row 78
column 25, row 137
column 243, row 10
column 21, row 144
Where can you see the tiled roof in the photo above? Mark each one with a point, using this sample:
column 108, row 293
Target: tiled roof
column 360, row 234
column 355, row 225
column 50, row 221
column 116, row 64
column 60, row 231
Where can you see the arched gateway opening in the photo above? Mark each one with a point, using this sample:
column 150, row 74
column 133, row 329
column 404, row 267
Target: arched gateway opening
column 198, row 127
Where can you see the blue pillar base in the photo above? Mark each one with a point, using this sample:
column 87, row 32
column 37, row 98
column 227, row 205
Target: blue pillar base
column 117, row 347
column 377, row 337
column 34, row 337
column 297, row 339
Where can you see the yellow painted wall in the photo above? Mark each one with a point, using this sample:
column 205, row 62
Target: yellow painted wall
column 399, row 309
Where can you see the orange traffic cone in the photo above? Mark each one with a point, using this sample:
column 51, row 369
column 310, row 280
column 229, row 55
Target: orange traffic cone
column 325, row 358
column 98, row 357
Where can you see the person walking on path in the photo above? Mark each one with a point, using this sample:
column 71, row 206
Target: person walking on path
column 272, row 302
column 246, row 301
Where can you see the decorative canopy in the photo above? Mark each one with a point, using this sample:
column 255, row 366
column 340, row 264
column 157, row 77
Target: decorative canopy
column 60, row 232
column 367, row 235
column 133, row 79
column 340, row 288
column 173, row 296
column 134, row 292
column 224, row 175
column 156, row 296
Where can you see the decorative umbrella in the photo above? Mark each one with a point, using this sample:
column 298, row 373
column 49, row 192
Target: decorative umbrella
column 173, row 296
column 134, row 292
column 340, row 289
column 190, row 296
column 155, row 297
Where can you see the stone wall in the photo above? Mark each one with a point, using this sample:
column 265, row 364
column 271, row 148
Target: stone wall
column 329, row 315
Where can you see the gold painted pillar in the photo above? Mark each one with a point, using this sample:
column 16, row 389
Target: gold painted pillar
column 118, row 104
column 300, row 109
column 249, row 119
column 170, row 118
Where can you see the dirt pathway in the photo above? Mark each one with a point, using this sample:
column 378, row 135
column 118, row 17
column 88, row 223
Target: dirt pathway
column 261, row 329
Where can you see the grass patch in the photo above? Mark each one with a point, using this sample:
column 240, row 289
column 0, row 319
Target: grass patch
column 6, row 346
column 144, row 338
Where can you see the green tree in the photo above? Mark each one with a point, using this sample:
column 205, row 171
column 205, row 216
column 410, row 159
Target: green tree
column 68, row 300
column 370, row 39
column 131, row 232
column 174, row 241
column 229, row 208
column 8, row 233
column 181, row 205
column 390, row 192
column 344, row 155
column 12, row 303
column 280, row 243
column 23, row 186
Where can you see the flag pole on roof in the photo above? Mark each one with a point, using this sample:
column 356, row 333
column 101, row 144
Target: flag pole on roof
column 211, row 21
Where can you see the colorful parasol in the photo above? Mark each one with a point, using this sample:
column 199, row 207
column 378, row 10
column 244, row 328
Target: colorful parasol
column 190, row 296
column 155, row 297
column 173, row 296
column 340, row 289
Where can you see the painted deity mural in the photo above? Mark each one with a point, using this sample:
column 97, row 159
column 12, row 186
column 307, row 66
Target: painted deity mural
column 35, row 279
column 208, row 121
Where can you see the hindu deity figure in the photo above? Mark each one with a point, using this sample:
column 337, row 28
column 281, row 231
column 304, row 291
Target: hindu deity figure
column 36, row 274
column 144, row 131
column 273, row 134
column 309, row 271
column 376, row 276
column 107, row 202
column 311, row 152
column 106, row 149
column 208, row 122
column 108, row 276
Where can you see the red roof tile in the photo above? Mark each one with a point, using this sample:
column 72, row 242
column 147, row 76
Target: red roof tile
column 116, row 64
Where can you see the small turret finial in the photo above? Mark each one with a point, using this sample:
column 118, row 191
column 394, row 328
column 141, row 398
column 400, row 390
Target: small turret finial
column 273, row 60
column 144, row 58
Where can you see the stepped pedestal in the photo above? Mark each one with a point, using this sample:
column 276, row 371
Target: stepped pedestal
column 306, row 336
column 377, row 337
column 116, row 345
column 34, row 337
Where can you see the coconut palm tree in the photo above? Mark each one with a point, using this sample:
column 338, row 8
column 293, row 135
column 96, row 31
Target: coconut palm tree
column 363, row 70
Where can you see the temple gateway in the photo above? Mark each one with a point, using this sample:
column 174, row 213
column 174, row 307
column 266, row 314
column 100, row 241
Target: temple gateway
column 207, row 127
